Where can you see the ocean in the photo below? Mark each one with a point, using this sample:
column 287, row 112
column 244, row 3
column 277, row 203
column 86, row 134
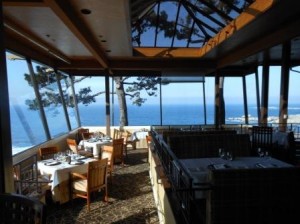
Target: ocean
column 27, row 129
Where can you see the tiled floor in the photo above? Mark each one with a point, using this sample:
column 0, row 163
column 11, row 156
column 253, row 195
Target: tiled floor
column 130, row 198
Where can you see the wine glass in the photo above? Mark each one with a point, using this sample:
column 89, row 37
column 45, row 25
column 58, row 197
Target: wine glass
column 229, row 156
column 221, row 152
column 260, row 152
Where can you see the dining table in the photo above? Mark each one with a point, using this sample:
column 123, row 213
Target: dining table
column 59, row 171
column 198, row 168
column 94, row 144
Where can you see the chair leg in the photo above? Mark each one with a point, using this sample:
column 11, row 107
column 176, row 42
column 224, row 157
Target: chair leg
column 88, row 201
column 105, row 195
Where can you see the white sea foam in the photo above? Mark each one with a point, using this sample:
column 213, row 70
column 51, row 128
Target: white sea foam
column 295, row 118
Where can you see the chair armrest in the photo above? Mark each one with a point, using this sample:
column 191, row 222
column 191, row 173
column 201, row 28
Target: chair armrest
column 79, row 175
column 109, row 147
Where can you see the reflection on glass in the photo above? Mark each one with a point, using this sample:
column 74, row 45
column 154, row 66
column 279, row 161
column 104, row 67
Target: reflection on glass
column 69, row 99
column 26, row 124
column 51, row 100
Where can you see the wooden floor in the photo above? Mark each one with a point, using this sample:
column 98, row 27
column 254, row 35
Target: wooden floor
column 130, row 198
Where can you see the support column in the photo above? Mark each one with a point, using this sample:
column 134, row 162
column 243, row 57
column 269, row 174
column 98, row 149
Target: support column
column 6, row 172
column 219, row 101
column 107, row 103
column 257, row 95
column 245, row 100
column 265, row 93
column 284, row 86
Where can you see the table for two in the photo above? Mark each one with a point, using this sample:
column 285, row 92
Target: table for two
column 95, row 145
column 59, row 172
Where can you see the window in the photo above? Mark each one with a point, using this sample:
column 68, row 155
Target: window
column 26, row 125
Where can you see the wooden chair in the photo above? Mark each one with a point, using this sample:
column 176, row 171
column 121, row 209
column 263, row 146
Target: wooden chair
column 128, row 141
column 262, row 137
column 87, row 135
column 16, row 208
column 266, row 195
column 82, row 185
column 117, row 147
column 28, row 181
column 72, row 144
column 118, row 150
column 47, row 152
column 117, row 134
column 79, row 133
column 107, row 152
column 149, row 145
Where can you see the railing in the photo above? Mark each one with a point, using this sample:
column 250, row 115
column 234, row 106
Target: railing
column 180, row 179
column 240, row 128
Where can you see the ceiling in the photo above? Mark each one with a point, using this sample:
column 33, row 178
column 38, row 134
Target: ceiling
column 84, row 37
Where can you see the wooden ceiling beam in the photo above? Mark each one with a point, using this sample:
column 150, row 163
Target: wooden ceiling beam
column 261, row 34
column 65, row 11
column 140, row 63
column 30, row 3
column 165, row 52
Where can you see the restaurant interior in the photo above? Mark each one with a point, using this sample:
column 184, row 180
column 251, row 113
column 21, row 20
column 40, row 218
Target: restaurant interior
column 210, row 173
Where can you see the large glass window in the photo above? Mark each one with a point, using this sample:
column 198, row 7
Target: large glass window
column 90, row 95
column 274, row 92
column 26, row 126
column 234, row 101
column 66, row 87
column 182, row 103
column 251, row 98
column 51, row 99
column 146, row 113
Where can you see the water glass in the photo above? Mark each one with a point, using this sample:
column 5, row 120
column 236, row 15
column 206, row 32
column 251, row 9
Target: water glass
column 260, row 152
column 221, row 153
column 229, row 156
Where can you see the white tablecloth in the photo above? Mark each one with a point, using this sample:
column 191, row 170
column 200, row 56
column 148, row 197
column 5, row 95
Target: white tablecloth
column 95, row 145
column 139, row 135
column 60, row 172
column 60, row 176
column 198, row 168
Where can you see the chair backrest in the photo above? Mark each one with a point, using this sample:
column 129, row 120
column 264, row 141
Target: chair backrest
column 262, row 137
column 266, row 195
column 79, row 133
column 97, row 174
column 15, row 208
column 107, row 152
column 126, row 135
column 118, row 147
column 117, row 134
column 47, row 152
column 26, row 177
column 87, row 135
column 72, row 144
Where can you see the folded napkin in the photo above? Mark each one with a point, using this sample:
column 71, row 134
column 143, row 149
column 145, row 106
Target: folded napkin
column 220, row 166
column 52, row 163
column 265, row 165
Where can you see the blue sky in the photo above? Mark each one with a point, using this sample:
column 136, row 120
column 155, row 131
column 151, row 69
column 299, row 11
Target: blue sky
column 185, row 92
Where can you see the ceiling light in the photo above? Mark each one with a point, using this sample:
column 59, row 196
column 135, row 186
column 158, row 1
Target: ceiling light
column 85, row 11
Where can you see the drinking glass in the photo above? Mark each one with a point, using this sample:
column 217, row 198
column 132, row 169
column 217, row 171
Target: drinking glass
column 221, row 152
column 260, row 152
column 229, row 156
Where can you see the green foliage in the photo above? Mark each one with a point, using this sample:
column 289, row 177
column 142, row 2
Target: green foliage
column 134, row 88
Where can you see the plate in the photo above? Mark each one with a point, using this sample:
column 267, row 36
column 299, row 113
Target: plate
column 52, row 163
column 220, row 166
column 77, row 162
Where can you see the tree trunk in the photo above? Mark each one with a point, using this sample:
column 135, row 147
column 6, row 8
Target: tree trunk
column 122, row 102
